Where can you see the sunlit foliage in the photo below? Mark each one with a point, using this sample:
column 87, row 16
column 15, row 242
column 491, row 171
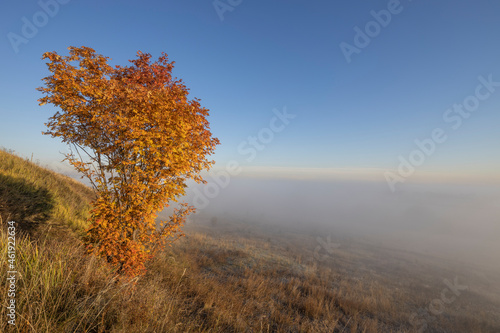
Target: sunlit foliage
column 136, row 136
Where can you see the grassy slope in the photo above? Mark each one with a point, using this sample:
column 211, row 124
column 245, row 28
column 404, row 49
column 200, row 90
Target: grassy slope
column 35, row 196
column 224, row 278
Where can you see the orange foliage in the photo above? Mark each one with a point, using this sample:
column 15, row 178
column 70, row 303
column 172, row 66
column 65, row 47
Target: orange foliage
column 137, row 137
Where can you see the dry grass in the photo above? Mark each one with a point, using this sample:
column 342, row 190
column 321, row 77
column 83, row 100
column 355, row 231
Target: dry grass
column 203, row 284
column 37, row 196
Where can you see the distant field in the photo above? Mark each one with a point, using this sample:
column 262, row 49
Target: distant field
column 352, row 285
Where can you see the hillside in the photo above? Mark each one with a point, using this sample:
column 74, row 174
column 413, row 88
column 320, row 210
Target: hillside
column 225, row 275
column 37, row 197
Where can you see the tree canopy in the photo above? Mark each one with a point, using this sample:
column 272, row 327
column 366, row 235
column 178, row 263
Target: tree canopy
column 135, row 134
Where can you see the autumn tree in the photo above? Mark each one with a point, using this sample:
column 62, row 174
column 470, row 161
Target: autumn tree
column 135, row 135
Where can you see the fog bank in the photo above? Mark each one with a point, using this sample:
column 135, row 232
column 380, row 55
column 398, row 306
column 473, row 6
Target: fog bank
column 456, row 221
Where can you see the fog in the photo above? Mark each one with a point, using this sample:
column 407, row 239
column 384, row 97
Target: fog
column 453, row 221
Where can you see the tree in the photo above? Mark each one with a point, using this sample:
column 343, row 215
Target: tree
column 136, row 136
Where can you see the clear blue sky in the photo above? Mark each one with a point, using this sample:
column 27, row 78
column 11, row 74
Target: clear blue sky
column 267, row 55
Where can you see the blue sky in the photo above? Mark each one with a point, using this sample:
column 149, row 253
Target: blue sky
column 274, row 55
